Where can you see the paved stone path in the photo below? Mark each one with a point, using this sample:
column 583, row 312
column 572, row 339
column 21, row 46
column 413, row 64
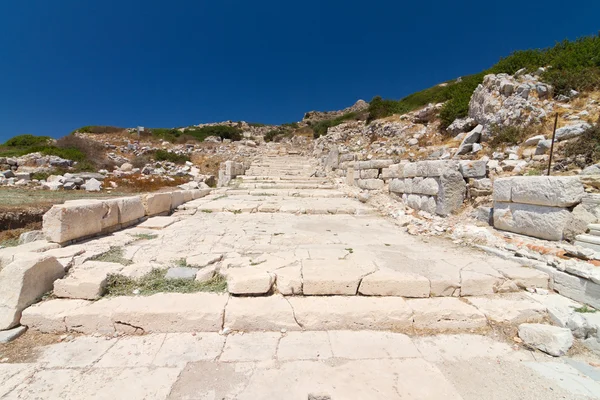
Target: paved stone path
column 294, row 365
column 322, row 291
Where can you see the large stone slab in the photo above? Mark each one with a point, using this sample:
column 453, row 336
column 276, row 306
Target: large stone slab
column 24, row 281
column 352, row 313
column 452, row 192
column 538, row 221
column 333, row 277
column 157, row 203
column 49, row 316
column 248, row 281
column 443, row 314
column 77, row 219
column 386, row 282
column 87, row 282
column 271, row 313
column 553, row 191
column 513, row 308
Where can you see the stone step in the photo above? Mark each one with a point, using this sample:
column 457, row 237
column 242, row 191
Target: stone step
column 207, row 312
column 302, row 193
column 285, row 186
column 590, row 239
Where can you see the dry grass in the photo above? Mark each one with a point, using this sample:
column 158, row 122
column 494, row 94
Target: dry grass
column 11, row 237
column 141, row 183
column 25, row 349
column 208, row 164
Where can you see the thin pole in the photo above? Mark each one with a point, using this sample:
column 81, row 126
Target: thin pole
column 552, row 143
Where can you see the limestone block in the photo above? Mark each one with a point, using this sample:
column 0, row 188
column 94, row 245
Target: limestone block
column 49, row 316
column 512, row 308
column 478, row 279
column 362, row 165
column 452, row 192
column 177, row 199
column 352, row 313
column 370, row 184
column 170, row 312
column 249, row 281
column 414, row 201
column 576, row 288
column 537, row 221
column 393, row 171
column 553, row 340
column 129, row 208
column 428, row 186
column 409, row 185
column 445, row 314
column 397, row 186
column 188, row 195
column 9, row 254
column 553, row 191
column 369, row 173
column 387, row 282
column 428, row 204
column 271, row 313
column 333, row 277
column 381, row 163
column 157, row 203
column 436, row 168
column 503, row 189
column 84, row 283
column 24, row 281
column 289, row 280
column 410, row 170
column 77, row 219
column 473, row 169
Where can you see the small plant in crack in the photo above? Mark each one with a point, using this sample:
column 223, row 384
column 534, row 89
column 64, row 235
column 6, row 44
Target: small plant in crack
column 237, row 211
column 181, row 262
column 585, row 310
column 145, row 236
column 387, row 244
column 350, row 250
column 207, row 211
column 114, row 255
column 278, row 234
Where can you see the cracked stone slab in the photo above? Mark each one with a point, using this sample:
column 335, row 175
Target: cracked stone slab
column 304, row 346
column 478, row 279
column 49, row 316
column 271, row 313
column 386, row 282
column 81, row 352
column 180, row 348
column 514, row 308
column 352, row 313
column 333, row 277
column 133, row 351
column 442, row 314
column 246, row 281
column 356, row 345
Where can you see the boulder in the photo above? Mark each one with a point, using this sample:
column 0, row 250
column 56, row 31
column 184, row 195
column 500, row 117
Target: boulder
column 93, row 185
column 126, row 167
column 23, row 282
column 461, row 125
column 549, row 339
column 554, row 191
column 473, row 169
column 542, row 147
column 472, row 137
column 181, row 273
column 571, row 131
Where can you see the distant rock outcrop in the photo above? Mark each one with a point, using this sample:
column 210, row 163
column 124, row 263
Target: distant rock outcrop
column 315, row 116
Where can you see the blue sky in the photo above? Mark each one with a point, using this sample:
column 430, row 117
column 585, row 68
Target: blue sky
column 69, row 63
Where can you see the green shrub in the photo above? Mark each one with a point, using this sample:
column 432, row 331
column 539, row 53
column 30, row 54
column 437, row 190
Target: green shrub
column 163, row 155
column 508, row 135
column 98, row 129
column 28, row 141
column 276, row 135
column 256, row 124
column 320, row 128
column 173, row 134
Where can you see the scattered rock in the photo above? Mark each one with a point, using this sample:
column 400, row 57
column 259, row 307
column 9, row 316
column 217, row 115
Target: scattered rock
column 549, row 339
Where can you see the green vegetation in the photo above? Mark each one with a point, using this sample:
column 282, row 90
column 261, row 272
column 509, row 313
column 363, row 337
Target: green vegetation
column 145, row 236
column 508, row 135
column 164, row 155
column 585, row 309
column 99, row 129
column 256, row 124
column 199, row 134
column 320, row 128
column 9, row 242
column 587, row 145
column 574, row 65
column 114, row 255
column 155, row 282
column 28, row 141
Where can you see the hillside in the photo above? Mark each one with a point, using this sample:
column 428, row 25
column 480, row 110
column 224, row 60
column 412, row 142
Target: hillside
column 510, row 105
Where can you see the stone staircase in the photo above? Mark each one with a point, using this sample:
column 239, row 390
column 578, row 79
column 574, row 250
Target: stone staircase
column 297, row 255
column 590, row 240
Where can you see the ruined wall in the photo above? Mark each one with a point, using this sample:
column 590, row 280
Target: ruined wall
column 229, row 170
column 538, row 206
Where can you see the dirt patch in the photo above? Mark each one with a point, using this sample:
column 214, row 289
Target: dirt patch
column 27, row 347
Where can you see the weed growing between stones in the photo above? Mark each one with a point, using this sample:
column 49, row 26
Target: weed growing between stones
column 155, row 282
column 585, row 309
column 9, row 242
column 180, row 263
column 114, row 255
column 207, row 211
column 145, row 236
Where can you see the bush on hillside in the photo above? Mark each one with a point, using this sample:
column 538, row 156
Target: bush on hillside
column 508, row 135
column 574, row 65
column 163, row 155
column 173, row 134
column 320, row 128
column 84, row 151
column 587, row 145
column 98, row 129
column 28, row 141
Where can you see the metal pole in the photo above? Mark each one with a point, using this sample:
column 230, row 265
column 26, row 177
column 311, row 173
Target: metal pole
column 552, row 143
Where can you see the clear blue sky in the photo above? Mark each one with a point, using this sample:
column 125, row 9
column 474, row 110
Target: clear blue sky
column 68, row 63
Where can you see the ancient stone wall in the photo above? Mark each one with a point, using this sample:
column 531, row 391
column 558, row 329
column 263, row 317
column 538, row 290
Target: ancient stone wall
column 538, row 206
column 78, row 219
column 229, row 170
